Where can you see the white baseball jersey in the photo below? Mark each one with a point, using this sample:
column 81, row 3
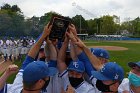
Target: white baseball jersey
column 4, row 49
column 94, row 80
column 14, row 50
column 84, row 87
column 7, row 42
column 11, row 42
column 19, row 47
column 1, row 43
column 57, row 84
column 31, row 42
column 10, row 46
column 15, row 42
column 125, row 86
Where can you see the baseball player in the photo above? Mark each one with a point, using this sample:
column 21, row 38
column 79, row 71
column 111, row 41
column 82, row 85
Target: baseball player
column 1, row 43
column 14, row 52
column 56, row 80
column 19, row 47
column 100, row 53
column 74, row 74
column 10, row 45
column 108, row 76
column 33, row 77
column 132, row 83
column 24, row 47
column 5, row 51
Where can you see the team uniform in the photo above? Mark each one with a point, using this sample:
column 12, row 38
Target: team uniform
column 14, row 54
column 5, row 50
column 108, row 68
column 16, row 49
column 17, row 85
column 89, row 68
column 24, row 49
column 57, row 84
column 10, row 46
column 28, row 45
column 31, row 42
column 19, row 47
column 94, row 80
column 56, row 80
column 84, row 87
column 1, row 43
column 125, row 85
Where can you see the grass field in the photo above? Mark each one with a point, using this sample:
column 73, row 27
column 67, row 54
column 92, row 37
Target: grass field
column 121, row 57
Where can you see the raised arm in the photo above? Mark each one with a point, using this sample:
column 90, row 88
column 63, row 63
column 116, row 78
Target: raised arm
column 9, row 71
column 35, row 48
column 79, row 52
column 96, row 63
column 61, row 56
column 47, row 52
column 73, row 52
column 72, row 35
column 52, row 62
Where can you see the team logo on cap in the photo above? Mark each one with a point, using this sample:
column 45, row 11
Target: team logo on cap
column 101, row 54
column 103, row 68
column 116, row 76
column 92, row 51
column 76, row 65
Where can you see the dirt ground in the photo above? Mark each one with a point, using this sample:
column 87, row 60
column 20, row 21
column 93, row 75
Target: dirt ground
column 111, row 48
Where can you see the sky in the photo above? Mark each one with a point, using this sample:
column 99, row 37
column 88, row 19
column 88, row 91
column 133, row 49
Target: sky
column 89, row 9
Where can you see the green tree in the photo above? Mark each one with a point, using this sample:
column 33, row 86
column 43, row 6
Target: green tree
column 108, row 26
column 11, row 20
column 80, row 23
column 6, row 7
column 92, row 26
column 5, row 23
column 136, row 26
column 15, row 8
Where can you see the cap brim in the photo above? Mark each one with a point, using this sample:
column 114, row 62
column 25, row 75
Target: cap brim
column 99, row 76
column 132, row 64
column 52, row 71
column 69, row 69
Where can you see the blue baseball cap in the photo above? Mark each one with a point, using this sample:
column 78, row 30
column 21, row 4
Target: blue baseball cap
column 109, row 71
column 77, row 66
column 100, row 52
column 37, row 70
column 133, row 64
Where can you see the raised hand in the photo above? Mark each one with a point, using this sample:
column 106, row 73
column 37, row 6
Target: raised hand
column 46, row 31
column 72, row 29
column 79, row 43
column 11, row 70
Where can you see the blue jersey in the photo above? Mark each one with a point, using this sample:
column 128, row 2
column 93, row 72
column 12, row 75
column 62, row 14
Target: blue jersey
column 88, row 66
